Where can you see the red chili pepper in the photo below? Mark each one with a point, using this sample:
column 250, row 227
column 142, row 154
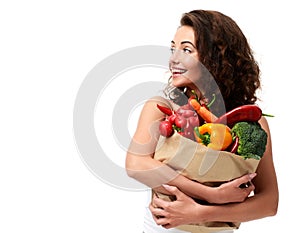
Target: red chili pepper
column 211, row 102
column 165, row 110
column 234, row 146
column 249, row 112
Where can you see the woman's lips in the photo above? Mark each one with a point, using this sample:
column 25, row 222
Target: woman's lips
column 177, row 71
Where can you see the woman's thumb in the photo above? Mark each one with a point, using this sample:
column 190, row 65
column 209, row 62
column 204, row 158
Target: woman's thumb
column 173, row 190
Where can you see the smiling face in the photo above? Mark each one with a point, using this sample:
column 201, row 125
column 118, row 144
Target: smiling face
column 184, row 61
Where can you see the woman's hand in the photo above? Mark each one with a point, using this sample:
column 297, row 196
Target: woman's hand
column 171, row 214
column 186, row 211
column 234, row 191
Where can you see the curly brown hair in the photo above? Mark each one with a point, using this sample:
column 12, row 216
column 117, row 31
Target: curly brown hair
column 224, row 51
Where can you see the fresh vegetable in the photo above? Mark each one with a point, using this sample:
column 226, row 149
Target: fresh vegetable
column 214, row 136
column 234, row 145
column 249, row 112
column 188, row 130
column 165, row 110
column 195, row 96
column 166, row 128
column 171, row 118
column 202, row 110
column 211, row 102
column 252, row 139
column 183, row 120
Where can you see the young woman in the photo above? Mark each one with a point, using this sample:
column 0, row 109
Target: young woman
column 214, row 40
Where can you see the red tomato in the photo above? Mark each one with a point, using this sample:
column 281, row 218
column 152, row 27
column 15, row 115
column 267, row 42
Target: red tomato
column 171, row 118
column 188, row 131
column 180, row 122
column 166, row 129
column 188, row 113
column 194, row 121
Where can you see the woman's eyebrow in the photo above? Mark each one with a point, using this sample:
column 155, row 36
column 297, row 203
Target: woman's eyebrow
column 185, row 42
column 188, row 42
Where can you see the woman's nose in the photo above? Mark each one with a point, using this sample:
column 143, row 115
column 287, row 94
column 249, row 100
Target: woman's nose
column 175, row 57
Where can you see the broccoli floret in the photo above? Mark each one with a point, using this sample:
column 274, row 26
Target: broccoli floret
column 252, row 139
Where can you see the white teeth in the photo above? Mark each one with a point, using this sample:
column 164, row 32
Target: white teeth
column 176, row 70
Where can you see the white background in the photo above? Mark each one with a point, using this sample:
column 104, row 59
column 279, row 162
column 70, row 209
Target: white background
column 46, row 50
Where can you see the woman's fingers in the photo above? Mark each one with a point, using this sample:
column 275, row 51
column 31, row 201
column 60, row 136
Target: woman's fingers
column 175, row 191
column 236, row 190
column 159, row 203
column 244, row 180
column 157, row 212
column 159, row 215
column 248, row 188
column 245, row 189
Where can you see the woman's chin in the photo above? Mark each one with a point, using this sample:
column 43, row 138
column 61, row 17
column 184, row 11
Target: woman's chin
column 179, row 83
column 177, row 80
column 174, row 84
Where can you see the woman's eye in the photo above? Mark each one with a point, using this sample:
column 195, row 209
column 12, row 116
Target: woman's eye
column 186, row 50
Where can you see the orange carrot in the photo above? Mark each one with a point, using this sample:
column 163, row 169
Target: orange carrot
column 203, row 112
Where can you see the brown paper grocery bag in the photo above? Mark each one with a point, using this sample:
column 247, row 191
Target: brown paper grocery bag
column 207, row 166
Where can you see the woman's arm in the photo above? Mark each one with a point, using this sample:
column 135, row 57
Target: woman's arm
column 264, row 203
column 141, row 166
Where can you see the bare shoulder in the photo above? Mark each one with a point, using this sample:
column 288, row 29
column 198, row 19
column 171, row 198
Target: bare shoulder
column 150, row 107
column 150, row 112
column 159, row 100
column 148, row 123
column 264, row 124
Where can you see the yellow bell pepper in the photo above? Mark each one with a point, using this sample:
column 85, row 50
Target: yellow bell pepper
column 213, row 135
